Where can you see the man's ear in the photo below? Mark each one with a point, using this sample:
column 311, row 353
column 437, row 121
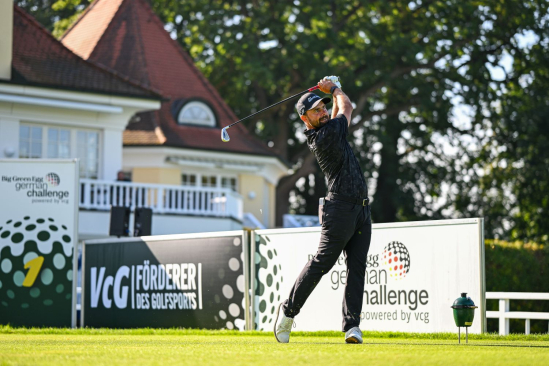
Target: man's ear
column 304, row 118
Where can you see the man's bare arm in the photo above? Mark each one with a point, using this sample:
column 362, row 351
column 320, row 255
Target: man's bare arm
column 335, row 108
column 343, row 103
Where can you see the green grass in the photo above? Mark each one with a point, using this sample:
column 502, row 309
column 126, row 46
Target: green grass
column 50, row 346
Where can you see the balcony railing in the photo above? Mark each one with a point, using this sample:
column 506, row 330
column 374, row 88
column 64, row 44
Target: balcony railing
column 164, row 199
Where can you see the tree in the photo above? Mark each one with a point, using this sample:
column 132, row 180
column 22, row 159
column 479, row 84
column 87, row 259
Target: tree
column 511, row 186
column 404, row 64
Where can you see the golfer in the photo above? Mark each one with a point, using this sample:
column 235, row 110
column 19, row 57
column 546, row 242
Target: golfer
column 344, row 212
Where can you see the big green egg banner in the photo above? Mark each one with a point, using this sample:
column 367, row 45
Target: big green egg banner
column 38, row 235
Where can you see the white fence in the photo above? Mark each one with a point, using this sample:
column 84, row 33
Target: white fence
column 170, row 199
column 504, row 305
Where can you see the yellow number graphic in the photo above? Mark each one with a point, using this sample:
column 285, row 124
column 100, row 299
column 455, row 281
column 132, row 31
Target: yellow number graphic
column 34, row 265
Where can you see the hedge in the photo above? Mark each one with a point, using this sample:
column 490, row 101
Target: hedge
column 517, row 267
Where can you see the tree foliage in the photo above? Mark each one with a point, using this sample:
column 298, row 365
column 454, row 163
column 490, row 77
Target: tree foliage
column 55, row 15
column 406, row 65
column 511, row 186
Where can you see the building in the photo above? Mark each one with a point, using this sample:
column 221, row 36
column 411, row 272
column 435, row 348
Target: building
column 110, row 94
column 180, row 143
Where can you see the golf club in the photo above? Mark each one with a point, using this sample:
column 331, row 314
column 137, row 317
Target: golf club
column 225, row 135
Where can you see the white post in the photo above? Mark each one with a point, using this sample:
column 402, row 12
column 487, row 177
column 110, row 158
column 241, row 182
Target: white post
column 527, row 326
column 503, row 321
column 160, row 199
column 108, row 195
column 115, row 191
column 127, row 192
column 87, row 195
column 202, row 201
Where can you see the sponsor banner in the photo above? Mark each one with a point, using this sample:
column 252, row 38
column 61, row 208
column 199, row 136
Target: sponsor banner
column 38, row 223
column 414, row 273
column 191, row 281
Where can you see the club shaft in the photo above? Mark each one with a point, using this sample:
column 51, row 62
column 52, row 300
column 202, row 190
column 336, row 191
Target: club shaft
column 282, row 101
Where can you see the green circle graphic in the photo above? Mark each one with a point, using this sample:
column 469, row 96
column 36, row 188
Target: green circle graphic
column 6, row 266
column 43, row 236
column 17, row 238
column 35, row 292
column 46, row 276
column 59, row 261
column 29, row 257
column 18, row 278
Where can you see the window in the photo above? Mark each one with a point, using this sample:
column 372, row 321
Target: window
column 88, row 153
column 188, row 179
column 209, row 181
column 229, row 183
column 196, row 113
column 30, row 142
column 61, row 143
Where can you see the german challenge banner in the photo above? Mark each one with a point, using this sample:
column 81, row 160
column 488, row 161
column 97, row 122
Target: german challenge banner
column 414, row 272
column 191, row 281
column 38, row 228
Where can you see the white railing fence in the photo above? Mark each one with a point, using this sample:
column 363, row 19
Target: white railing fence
column 166, row 199
column 504, row 305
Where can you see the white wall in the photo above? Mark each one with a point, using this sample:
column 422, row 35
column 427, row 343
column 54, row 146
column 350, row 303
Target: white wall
column 106, row 114
column 9, row 138
column 112, row 154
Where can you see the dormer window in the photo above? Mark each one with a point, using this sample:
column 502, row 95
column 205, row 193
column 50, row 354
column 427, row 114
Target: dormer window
column 196, row 113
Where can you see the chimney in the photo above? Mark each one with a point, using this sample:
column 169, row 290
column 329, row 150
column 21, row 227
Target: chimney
column 6, row 38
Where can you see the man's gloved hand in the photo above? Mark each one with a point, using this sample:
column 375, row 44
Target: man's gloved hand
column 334, row 79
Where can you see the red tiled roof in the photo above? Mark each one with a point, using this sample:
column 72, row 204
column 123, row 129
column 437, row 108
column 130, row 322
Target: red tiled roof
column 41, row 60
column 135, row 43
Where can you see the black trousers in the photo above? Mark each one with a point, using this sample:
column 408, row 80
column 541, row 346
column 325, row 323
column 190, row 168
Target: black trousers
column 347, row 228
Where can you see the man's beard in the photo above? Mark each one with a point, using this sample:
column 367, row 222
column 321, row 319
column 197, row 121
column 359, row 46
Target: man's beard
column 323, row 120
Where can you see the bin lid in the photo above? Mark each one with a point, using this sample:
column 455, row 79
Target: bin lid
column 464, row 302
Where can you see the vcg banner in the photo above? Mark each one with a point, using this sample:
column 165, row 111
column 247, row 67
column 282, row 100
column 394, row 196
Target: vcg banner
column 191, row 281
column 38, row 236
column 414, row 272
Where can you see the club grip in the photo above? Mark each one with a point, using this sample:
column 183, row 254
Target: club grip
column 313, row 88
